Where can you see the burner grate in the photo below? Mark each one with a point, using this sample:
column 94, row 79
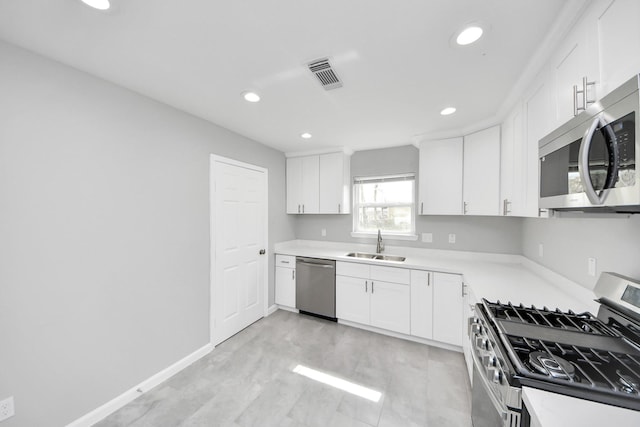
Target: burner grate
column 583, row 322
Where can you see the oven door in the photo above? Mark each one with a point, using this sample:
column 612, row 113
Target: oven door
column 486, row 410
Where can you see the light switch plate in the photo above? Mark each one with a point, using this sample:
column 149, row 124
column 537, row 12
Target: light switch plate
column 427, row 237
column 540, row 250
column 324, row 232
column 591, row 267
column 452, row 238
column 6, row 408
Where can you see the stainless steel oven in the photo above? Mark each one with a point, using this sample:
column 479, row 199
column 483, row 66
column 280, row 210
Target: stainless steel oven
column 590, row 163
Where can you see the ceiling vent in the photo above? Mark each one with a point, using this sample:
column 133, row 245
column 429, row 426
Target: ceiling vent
column 325, row 74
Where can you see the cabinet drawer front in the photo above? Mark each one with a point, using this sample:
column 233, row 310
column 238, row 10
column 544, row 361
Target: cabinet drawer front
column 391, row 274
column 285, row 261
column 352, row 269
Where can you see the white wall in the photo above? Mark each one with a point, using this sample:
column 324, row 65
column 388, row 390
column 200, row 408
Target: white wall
column 104, row 236
column 473, row 233
column 569, row 242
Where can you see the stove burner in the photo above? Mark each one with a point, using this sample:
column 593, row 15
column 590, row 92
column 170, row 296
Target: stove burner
column 627, row 384
column 552, row 366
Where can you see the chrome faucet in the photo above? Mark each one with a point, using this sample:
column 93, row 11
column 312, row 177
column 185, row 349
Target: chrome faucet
column 380, row 246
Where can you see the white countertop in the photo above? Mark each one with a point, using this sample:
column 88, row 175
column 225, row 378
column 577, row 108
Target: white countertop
column 556, row 410
column 492, row 276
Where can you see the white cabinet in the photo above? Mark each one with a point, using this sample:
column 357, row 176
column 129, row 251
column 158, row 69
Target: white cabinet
column 285, row 280
column 335, row 183
column 318, row 184
column 364, row 295
column 512, row 163
column 481, row 183
column 618, row 35
column 447, row 308
column 436, row 306
column 468, row 309
column 421, row 304
column 303, row 184
column 440, row 177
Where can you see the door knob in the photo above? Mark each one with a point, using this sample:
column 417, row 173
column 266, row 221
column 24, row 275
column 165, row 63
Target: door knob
column 262, row 252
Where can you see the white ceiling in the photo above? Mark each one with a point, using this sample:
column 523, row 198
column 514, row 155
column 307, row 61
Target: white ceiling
column 395, row 59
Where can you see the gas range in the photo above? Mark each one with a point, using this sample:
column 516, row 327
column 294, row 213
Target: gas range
column 575, row 354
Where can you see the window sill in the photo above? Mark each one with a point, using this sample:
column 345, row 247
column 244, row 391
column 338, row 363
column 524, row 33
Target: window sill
column 385, row 236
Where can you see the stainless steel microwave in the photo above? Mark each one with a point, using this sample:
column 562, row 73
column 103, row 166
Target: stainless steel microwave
column 590, row 162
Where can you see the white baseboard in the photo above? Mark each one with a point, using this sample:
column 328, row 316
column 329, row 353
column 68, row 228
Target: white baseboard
column 291, row 309
column 272, row 310
column 401, row 336
column 113, row 405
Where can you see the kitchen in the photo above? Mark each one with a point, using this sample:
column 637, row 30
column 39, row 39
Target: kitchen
column 105, row 193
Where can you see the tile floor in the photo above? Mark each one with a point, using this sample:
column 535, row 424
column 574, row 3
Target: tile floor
column 249, row 381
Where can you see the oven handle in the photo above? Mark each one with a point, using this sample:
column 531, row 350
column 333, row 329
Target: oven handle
column 583, row 163
column 502, row 411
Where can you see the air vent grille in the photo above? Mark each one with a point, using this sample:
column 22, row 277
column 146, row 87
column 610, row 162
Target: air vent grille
column 321, row 68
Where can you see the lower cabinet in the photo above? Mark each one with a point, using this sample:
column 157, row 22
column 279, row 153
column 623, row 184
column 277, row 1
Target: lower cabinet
column 285, row 280
column 436, row 306
column 361, row 297
column 468, row 312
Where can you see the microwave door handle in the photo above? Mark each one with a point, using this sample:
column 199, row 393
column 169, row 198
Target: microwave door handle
column 583, row 163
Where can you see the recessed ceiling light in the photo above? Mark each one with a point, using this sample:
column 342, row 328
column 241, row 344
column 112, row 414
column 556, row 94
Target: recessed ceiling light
column 98, row 4
column 469, row 35
column 251, row 96
column 305, row 135
column 447, row 111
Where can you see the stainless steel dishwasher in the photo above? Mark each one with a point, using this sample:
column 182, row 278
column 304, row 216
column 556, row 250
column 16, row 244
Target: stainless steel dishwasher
column 316, row 287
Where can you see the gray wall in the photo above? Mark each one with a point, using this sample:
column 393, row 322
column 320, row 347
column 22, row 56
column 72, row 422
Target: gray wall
column 104, row 236
column 478, row 234
column 569, row 242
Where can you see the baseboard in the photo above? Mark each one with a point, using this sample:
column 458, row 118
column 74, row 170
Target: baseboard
column 113, row 405
column 272, row 309
column 402, row 336
column 291, row 309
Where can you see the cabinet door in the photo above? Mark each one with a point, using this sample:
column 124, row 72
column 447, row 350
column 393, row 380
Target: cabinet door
column 334, row 183
column 481, row 188
column 618, row 36
column 447, row 308
column 440, row 177
column 421, row 304
column 310, row 184
column 512, row 163
column 352, row 299
column 468, row 309
column 294, row 185
column 539, row 121
column 390, row 305
column 286, row 286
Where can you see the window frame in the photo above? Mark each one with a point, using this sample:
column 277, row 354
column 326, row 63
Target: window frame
column 356, row 205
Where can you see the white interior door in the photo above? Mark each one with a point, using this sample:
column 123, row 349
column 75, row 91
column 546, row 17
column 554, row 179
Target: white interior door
column 238, row 222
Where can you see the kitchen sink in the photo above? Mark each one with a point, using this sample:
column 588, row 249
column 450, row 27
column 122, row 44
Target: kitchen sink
column 379, row 257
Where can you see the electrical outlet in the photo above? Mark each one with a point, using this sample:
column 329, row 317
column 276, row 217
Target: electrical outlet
column 324, row 232
column 591, row 267
column 6, row 408
column 452, row 238
column 427, row 237
column 540, row 250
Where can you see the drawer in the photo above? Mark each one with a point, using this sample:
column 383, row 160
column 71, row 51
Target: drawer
column 352, row 269
column 285, row 261
column 391, row 274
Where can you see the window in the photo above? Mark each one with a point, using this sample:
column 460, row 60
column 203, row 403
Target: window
column 385, row 203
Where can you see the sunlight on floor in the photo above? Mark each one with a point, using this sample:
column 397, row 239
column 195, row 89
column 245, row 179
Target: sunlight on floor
column 339, row 383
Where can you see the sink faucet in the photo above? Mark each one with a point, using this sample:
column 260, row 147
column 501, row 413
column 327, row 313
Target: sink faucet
column 380, row 246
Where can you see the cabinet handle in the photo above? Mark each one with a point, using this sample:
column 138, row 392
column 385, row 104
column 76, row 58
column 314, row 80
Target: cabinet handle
column 366, row 286
column 463, row 286
column 285, row 262
column 303, row 208
column 298, row 208
column 585, row 96
column 465, row 207
column 372, row 286
column 293, row 275
column 429, row 278
column 505, row 207
column 421, row 207
column 575, row 100
column 339, row 208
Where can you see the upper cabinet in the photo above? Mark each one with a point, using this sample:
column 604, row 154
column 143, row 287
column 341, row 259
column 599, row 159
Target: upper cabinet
column 481, row 172
column 335, row 183
column 318, row 184
column 440, row 177
column 618, row 38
